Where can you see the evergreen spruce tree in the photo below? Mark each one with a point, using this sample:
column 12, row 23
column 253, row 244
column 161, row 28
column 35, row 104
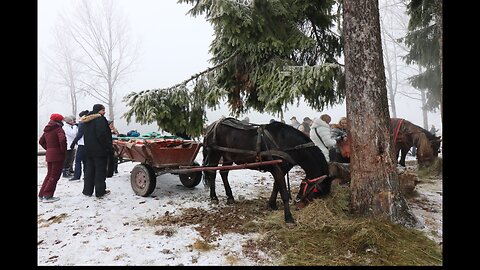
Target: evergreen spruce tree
column 266, row 56
column 424, row 41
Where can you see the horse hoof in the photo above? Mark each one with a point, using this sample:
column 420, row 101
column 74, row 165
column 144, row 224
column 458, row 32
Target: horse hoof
column 230, row 201
column 290, row 224
column 214, row 200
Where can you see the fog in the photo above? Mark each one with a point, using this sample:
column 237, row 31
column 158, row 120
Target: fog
column 173, row 47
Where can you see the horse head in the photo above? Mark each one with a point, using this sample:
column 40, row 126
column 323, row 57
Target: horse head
column 425, row 152
column 309, row 157
column 299, row 148
column 311, row 189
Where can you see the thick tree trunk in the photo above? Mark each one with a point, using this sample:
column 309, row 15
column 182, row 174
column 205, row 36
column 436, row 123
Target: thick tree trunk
column 374, row 179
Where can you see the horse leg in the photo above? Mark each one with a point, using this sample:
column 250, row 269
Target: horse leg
column 397, row 153
column 282, row 187
column 226, row 184
column 213, row 160
column 272, row 202
column 403, row 156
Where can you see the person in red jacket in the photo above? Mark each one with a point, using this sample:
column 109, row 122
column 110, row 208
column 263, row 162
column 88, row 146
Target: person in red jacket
column 54, row 141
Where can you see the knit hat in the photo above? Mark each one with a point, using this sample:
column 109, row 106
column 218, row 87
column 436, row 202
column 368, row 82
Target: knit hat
column 56, row 117
column 82, row 113
column 67, row 119
column 97, row 108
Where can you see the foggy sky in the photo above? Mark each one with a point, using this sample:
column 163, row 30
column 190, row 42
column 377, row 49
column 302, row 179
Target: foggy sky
column 173, row 47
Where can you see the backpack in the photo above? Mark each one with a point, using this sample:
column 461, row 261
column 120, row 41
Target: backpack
column 133, row 133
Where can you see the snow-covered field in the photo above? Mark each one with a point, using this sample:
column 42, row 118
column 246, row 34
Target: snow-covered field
column 81, row 230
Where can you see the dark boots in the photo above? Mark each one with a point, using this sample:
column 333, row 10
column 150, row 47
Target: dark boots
column 66, row 173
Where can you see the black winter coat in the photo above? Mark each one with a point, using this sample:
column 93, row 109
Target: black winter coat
column 97, row 136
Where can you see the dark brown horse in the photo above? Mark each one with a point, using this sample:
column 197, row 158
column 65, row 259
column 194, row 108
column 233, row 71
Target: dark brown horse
column 406, row 134
column 239, row 143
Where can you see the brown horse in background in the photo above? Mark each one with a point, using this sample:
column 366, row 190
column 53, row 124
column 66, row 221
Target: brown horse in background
column 406, row 134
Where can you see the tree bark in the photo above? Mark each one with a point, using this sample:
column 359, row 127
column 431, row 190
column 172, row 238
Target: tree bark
column 374, row 179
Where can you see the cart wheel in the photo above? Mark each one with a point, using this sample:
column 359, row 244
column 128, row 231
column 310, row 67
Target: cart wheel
column 143, row 180
column 191, row 179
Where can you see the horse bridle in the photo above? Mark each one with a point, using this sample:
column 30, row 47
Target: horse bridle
column 310, row 185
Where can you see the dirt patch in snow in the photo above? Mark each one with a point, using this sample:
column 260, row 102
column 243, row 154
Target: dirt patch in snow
column 212, row 224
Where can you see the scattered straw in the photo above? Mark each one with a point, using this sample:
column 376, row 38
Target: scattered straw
column 326, row 234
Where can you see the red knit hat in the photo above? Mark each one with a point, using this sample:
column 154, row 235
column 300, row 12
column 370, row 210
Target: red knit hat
column 56, row 117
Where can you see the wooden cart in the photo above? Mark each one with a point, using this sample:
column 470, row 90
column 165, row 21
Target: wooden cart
column 158, row 156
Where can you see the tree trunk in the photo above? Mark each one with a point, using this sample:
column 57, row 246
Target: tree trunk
column 424, row 109
column 374, row 179
column 439, row 19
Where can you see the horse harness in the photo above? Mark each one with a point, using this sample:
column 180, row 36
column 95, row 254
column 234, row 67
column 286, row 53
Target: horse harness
column 261, row 134
column 310, row 186
column 396, row 129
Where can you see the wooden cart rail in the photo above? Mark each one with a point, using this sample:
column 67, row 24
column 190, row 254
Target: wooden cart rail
column 190, row 169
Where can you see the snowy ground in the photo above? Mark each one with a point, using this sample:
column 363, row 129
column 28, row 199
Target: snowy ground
column 80, row 230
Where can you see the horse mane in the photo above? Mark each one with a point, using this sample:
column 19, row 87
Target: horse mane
column 280, row 125
column 423, row 145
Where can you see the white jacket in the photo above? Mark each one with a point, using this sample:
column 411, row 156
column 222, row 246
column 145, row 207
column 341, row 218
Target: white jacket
column 323, row 130
column 70, row 133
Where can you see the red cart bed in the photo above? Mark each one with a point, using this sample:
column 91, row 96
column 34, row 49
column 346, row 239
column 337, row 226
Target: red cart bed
column 157, row 156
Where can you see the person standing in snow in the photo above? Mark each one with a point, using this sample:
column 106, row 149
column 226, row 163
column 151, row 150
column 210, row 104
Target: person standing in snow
column 98, row 143
column 339, row 134
column 294, row 122
column 305, row 126
column 70, row 129
column 53, row 140
column 112, row 162
column 81, row 155
column 320, row 133
column 433, row 130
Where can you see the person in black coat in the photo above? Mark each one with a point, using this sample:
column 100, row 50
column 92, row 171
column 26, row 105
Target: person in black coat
column 98, row 145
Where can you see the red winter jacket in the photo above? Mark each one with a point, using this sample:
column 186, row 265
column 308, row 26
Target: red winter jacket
column 54, row 141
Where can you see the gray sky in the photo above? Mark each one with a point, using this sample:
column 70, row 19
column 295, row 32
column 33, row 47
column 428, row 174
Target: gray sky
column 173, row 47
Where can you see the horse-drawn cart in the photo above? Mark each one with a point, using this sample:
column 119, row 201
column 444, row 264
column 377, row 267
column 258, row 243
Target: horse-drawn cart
column 167, row 155
column 158, row 156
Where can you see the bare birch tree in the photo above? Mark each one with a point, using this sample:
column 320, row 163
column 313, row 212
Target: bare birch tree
column 374, row 179
column 102, row 35
column 42, row 88
column 65, row 62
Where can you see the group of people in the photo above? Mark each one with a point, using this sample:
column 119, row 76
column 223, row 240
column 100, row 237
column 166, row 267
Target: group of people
column 92, row 137
column 326, row 136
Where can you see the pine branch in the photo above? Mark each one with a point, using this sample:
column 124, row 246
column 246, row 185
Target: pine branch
column 195, row 76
